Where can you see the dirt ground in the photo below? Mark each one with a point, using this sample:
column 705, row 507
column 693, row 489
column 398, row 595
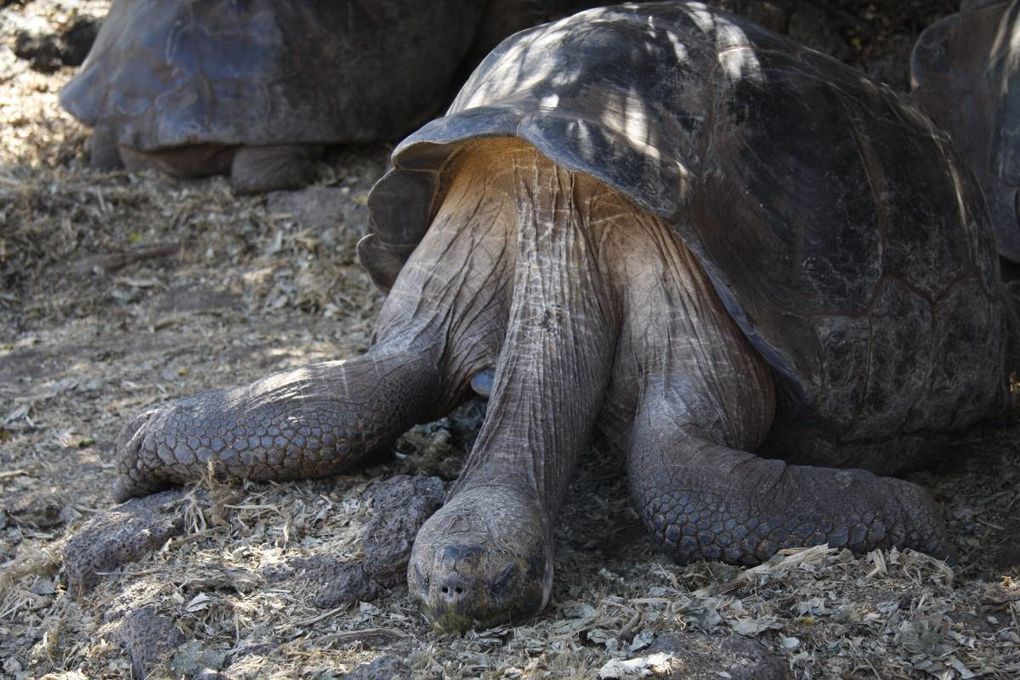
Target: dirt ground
column 118, row 290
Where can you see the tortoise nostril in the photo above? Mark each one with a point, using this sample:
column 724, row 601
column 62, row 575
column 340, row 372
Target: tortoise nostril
column 454, row 591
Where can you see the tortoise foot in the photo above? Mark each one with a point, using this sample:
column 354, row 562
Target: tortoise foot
column 257, row 169
column 483, row 560
column 103, row 152
column 163, row 444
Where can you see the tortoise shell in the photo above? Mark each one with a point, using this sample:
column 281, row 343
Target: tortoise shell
column 259, row 72
column 838, row 226
column 964, row 77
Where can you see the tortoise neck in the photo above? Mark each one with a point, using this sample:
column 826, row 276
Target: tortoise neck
column 555, row 359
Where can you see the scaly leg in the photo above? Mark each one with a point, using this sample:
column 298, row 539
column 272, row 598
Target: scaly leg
column 705, row 400
column 439, row 326
column 310, row 422
column 103, row 152
column 705, row 501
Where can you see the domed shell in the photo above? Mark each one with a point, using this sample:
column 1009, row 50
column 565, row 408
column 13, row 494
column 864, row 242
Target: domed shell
column 833, row 218
column 178, row 72
column 965, row 77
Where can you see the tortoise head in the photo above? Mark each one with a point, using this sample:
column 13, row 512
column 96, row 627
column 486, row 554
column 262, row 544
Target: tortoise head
column 485, row 559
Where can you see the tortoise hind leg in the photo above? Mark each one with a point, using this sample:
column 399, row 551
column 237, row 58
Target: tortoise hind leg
column 256, row 169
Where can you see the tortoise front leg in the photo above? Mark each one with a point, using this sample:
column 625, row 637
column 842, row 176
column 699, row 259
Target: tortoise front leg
column 705, row 501
column 438, row 327
column 103, row 152
column 699, row 398
column 310, row 422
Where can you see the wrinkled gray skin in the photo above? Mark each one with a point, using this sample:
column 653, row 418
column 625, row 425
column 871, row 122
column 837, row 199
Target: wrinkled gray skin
column 765, row 279
column 965, row 71
column 256, row 89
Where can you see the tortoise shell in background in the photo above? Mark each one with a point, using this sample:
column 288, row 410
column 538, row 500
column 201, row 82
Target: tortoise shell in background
column 182, row 85
column 259, row 72
column 967, row 80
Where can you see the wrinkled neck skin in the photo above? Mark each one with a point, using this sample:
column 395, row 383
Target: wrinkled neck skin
column 578, row 299
column 511, row 263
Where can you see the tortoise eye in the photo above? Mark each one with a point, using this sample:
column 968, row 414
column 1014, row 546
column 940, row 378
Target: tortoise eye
column 501, row 583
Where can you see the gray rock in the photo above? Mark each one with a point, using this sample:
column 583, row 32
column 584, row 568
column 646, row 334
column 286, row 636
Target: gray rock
column 705, row 657
column 119, row 536
column 381, row 668
column 400, row 506
column 148, row 638
column 330, row 582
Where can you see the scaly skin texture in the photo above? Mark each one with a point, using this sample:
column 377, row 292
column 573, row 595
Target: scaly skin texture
column 705, row 399
column 591, row 311
column 311, row 422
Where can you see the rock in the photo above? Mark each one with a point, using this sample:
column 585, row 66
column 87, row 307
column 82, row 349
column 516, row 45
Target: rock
column 657, row 665
column 119, row 536
column 44, row 587
column 331, row 582
column 148, row 638
column 41, row 50
column 381, row 668
column 209, row 674
column 400, row 506
column 193, row 659
column 77, row 40
column 48, row 49
column 35, row 509
column 696, row 656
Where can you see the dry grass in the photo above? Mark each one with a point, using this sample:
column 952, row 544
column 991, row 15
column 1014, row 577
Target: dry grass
column 117, row 290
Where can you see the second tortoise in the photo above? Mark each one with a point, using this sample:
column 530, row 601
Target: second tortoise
column 256, row 89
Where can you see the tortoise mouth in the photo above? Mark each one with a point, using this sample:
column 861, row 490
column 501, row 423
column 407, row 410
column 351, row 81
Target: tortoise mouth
column 459, row 602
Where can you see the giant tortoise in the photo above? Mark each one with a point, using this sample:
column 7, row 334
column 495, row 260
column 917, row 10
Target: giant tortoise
column 255, row 89
column 965, row 73
column 767, row 280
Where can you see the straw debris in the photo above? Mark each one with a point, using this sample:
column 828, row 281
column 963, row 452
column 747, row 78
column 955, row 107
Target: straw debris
column 118, row 290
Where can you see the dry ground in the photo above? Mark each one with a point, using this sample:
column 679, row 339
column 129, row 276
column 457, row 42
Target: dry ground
column 118, row 290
